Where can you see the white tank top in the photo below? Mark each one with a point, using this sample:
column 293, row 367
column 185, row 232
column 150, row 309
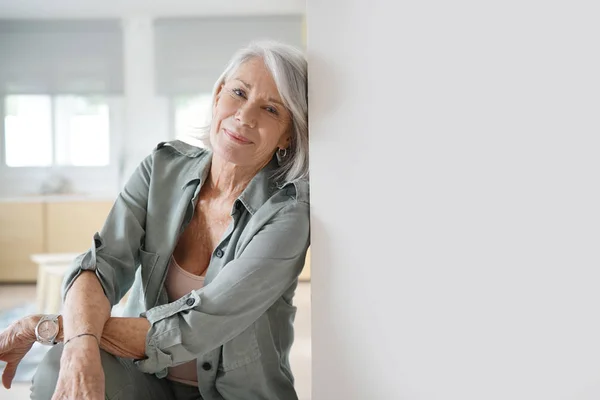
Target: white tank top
column 178, row 283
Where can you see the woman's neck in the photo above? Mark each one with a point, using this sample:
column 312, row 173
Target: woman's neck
column 227, row 180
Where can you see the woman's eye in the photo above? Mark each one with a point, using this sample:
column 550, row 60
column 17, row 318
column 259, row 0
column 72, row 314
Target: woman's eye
column 272, row 110
column 239, row 92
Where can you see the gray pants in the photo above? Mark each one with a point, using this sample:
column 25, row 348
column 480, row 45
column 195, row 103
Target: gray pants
column 123, row 380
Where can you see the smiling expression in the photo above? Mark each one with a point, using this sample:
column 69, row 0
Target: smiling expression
column 250, row 121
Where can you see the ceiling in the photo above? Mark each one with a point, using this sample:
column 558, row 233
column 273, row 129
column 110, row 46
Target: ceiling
column 153, row 8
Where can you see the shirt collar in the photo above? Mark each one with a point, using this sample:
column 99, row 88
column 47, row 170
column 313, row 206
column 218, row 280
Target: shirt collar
column 258, row 191
column 260, row 188
column 199, row 170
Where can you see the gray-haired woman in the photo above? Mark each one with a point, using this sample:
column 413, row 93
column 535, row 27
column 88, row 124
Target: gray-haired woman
column 210, row 243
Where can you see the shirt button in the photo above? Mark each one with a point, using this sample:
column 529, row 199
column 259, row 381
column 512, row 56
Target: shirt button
column 206, row 366
column 190, row 302
column 219, row 253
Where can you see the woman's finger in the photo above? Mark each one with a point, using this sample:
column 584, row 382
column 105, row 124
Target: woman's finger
column 9, row 373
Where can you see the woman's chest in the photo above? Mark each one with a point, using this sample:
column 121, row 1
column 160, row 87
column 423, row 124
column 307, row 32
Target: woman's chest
column 202, row 235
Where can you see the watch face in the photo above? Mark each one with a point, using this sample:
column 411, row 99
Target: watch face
column 47, row 330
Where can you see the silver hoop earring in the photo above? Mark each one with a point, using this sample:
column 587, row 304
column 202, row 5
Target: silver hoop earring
column 282, row 153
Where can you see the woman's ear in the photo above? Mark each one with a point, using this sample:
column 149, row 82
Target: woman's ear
column 219, row 90
column 218, row 96
column 285, row 140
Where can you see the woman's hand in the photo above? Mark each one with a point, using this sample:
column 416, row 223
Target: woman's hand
column 15, row 342
column 81, row 375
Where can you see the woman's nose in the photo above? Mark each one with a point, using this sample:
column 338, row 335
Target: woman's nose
column 246, row 115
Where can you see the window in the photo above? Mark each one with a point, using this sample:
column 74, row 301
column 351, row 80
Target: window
column 28, row 131
column 43, row 131
column 191, row 113
column 62, row 115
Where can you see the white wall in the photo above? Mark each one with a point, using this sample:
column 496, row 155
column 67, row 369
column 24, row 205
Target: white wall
column 455, row 202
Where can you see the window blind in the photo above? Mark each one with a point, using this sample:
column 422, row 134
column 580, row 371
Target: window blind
column 61, row 57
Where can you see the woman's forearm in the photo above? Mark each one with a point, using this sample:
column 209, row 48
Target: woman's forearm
column 125, row 337
column 86, row 307
column 87, row 310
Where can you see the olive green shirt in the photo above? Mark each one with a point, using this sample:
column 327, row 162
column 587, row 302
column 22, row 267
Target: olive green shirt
column 239, row 326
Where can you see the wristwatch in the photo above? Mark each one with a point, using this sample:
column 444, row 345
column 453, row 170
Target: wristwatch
column 47, row 329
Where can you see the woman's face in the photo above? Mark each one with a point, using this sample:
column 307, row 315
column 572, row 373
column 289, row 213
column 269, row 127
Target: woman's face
column 249, row 121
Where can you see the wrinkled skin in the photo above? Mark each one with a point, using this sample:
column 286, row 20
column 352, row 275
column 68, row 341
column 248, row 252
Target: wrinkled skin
column 15, row 342
column 81, row 375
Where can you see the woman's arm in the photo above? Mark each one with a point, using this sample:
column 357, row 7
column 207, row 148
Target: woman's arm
column 97, row 280
column 115, row 251
column 86, row 311
column 125, row 337
column 86, row 307
column 121, row 337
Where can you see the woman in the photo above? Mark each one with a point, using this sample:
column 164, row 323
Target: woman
column 210, row 243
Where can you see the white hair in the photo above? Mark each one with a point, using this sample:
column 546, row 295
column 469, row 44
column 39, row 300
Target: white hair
column 288, row 67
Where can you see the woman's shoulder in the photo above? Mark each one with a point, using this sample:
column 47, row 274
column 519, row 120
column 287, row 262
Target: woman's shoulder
column 291, row 194
column 298, row 189
column 181, row 148
column 176, row 163
column 179, row 157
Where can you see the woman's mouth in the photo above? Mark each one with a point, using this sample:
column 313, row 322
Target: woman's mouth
column 236, row 137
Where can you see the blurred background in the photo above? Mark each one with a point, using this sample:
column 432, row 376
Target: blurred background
column 87, row 90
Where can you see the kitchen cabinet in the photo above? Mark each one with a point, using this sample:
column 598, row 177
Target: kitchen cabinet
column 37, row 227
column 70, row 226
column 21, row 234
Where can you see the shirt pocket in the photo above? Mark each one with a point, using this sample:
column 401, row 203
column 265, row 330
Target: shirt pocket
column 241, row 350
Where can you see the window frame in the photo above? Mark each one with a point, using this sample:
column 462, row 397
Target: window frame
column 27, row 180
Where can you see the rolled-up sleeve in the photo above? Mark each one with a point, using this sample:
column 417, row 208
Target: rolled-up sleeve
column 205, row 319
column 114, row 254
